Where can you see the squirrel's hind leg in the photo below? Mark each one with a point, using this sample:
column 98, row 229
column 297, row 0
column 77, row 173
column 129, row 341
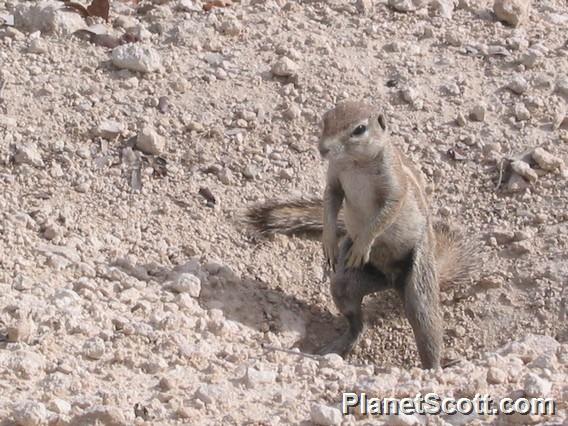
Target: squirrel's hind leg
column 420, row 294
column 348, row 287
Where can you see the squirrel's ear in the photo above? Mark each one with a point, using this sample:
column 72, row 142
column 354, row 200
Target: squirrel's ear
column 382, row 121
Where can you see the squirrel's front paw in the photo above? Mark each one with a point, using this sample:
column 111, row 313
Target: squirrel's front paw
column 358, row 255
column 330, row 249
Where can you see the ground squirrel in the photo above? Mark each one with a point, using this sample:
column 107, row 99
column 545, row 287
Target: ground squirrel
column 389, row 240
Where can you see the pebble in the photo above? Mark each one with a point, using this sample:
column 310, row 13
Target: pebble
column 547, row 161
column 250, row 172
column 562, row 86
column 108, row 129
column 149, row 141
column 28, row 154
column 292, row 113
column 37, row 46
column 522, row 247
column 136, row 57
column 524, row 169
column 535, row 386
column 409, row 95
column 284, row 67
column 521, row 112
column 365, row 7
column 321, row 414
column 402, row 419
column 256, row 377
column 512, row 12
column 30, row 413
column 518, row 85
column 496, row 376
column 231, row 27
column 406, row 5
column 187, row 283
column 478, row 112
column 445, row 7
column 59, row 406
column 460, row 120
column 531, row 58
column 94, row 348
column 26, row 363
column 47, row 17
column 102, row 414
column 21, row 331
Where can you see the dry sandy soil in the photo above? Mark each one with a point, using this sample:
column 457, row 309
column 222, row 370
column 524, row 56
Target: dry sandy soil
column 131, row 292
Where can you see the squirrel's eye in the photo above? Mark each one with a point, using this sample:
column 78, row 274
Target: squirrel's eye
column 359, row 130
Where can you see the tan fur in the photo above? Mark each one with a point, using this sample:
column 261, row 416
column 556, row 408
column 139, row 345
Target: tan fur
column 376, row 197
column 456, row 256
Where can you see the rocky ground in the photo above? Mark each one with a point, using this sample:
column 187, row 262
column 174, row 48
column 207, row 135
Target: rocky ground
column 130, row 291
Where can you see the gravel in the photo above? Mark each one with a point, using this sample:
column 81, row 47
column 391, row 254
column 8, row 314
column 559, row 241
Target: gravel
column 131, row 291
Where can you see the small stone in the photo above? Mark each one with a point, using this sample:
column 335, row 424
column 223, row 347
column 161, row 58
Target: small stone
column 523, row 169
column 255, row 377
column 562, row 86
column 51, row 231
column 531, row 58
column 187, row 283
column 250, row 172
column 27, row 364
column 445, row 7
column 521, row 247
column 59, row 406
column 451, row 89
column 406, row 5
column 287, row 174
column 478, row 112
column 491, row 148
column 292, row 113
column 47, row 17
column 516, row 183
column 496, row 376
column 149, row 141
column 518, row 85
column 523, row 235
column 364, row 7
column 460, row 120
column 547, row 161
column 37, row 46
column 535, row 386
column 211, row 393
column 94, row 348
column 100, row 415
column 28, row 154
column 167, row 383
column 136, row 57
column 230, row 27
column 402, row 419
column 284, row 67
column 321, row 414
column 409, row 95
column 502, row 236
column 521, row 112
column 512, row 12
column 30, row 413
column 109, row 129
column 21, row 331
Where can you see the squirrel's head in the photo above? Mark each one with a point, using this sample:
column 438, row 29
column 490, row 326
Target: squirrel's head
column 353, row 129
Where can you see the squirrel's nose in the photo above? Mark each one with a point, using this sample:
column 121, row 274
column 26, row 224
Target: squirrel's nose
column 323, row 150
column 323, row 147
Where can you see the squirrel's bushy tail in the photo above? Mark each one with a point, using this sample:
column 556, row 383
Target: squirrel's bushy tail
column 289, row 217
column 456, row 256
